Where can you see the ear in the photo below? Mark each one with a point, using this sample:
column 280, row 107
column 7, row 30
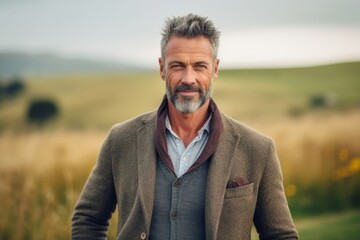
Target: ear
column 162, row 68
column 216, row 68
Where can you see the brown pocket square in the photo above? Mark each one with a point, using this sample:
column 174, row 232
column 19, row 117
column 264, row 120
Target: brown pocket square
column 237, row 182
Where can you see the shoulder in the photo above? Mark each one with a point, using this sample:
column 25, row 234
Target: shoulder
column 246, row 133
column 255, row 146
column 129, row 127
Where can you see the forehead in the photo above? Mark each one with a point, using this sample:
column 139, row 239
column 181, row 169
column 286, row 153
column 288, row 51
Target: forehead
column 199, row 46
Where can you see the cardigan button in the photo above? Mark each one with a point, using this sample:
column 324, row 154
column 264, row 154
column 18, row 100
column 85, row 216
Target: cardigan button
column 174, row 215
column 177, row 183
column 143, row 236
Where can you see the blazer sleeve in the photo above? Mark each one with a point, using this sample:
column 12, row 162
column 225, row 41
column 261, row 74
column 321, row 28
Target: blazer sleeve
column 272, row 217
column 97, row 201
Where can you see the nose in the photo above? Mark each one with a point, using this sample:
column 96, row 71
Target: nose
column 188, row 77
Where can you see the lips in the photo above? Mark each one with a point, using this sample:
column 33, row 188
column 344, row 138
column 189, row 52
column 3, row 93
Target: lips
column 188, row 91
column 187, row 88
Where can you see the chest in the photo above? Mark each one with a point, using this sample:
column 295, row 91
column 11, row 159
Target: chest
column 179, row 204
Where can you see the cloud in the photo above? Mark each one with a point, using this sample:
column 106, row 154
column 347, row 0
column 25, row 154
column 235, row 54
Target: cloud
column 290, row 46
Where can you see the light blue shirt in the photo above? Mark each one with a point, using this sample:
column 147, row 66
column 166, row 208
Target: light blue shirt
column 183, row 158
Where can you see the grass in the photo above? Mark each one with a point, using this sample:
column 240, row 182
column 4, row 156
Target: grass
column 42, row 171
column 41, row 176
column 274, row 92
column 96, row 101
column 99, row 101
column 331, row 226
column 336, row 226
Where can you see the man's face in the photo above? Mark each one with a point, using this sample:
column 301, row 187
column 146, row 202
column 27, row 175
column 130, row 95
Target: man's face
column 189, row 70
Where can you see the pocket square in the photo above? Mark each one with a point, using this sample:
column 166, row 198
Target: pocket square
column 237, row 182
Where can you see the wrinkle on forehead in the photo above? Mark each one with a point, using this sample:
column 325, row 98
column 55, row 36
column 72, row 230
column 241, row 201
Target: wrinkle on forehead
column 196, row 44
column 189, row 49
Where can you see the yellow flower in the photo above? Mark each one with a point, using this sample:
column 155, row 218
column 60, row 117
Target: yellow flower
column 291, row 190
column 354, row 165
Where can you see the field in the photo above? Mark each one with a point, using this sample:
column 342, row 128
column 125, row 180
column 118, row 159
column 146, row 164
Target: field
column 329, row 226
column 313, row 114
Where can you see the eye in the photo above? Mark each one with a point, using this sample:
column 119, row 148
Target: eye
column 200, row 66
column 176, row 66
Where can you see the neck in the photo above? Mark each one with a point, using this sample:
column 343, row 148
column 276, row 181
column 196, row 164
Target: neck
column 187, row 125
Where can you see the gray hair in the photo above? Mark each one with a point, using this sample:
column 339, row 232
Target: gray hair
column 190, row 26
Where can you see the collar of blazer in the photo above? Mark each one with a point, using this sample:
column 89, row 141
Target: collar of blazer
column 218, row 175
column 216, row 128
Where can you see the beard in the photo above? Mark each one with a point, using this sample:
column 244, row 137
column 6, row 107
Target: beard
column 188, row 104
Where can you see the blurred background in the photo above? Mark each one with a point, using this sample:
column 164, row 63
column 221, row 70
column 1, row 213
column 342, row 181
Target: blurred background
column 70, row 70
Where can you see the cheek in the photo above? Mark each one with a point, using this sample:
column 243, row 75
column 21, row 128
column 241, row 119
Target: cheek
column 205, row 78
column 174, row 77
column 205, row 74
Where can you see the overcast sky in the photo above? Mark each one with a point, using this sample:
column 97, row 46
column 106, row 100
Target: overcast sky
column 255, row 33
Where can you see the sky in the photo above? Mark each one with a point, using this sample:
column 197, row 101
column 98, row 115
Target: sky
column 254, row 33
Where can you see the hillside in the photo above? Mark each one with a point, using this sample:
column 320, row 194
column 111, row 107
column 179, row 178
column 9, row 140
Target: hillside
column 102, row 99
column 16, row 63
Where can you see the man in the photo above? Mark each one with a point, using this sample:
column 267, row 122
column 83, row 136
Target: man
column 185, row 171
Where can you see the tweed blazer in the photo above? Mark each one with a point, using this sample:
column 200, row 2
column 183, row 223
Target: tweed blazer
column 124, row 175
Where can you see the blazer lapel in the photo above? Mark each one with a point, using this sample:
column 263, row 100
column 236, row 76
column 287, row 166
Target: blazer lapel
column 217, row 179
column 146, row 155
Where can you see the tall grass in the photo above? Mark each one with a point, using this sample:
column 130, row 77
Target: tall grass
column 41, row 176
column 320, row 156
column 42, row 173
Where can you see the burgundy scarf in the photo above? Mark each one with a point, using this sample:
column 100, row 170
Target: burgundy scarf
column 216, row 128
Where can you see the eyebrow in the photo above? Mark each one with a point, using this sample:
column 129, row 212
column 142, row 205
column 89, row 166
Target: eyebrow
column 202, row 63
column 195, row 63
column 175, row 62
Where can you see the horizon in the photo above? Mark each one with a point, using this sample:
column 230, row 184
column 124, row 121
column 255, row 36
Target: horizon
column 48, row 64
column 254, row 34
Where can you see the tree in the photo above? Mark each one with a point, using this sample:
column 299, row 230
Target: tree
column 15, row 87
column 41, row 111
column 10, row 88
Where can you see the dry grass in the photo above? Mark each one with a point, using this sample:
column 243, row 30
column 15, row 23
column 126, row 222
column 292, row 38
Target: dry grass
column 322, row 136
column 42, row 173
column 320, row 156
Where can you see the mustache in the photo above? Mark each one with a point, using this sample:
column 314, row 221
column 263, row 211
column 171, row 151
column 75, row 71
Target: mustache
column 182, row 87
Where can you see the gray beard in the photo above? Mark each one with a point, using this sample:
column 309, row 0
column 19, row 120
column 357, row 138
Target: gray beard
column 188, row 104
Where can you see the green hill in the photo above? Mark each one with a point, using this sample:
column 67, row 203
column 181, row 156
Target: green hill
column 18, row 63
column 100, row 100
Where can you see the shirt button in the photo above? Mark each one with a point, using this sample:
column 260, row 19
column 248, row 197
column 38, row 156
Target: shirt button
column 174, row 215
column 143, row 236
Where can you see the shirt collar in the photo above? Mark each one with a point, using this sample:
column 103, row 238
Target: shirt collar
column 215, row 129
column 205, row 127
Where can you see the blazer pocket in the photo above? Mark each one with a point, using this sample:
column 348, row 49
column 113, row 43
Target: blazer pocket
column 240, row 191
